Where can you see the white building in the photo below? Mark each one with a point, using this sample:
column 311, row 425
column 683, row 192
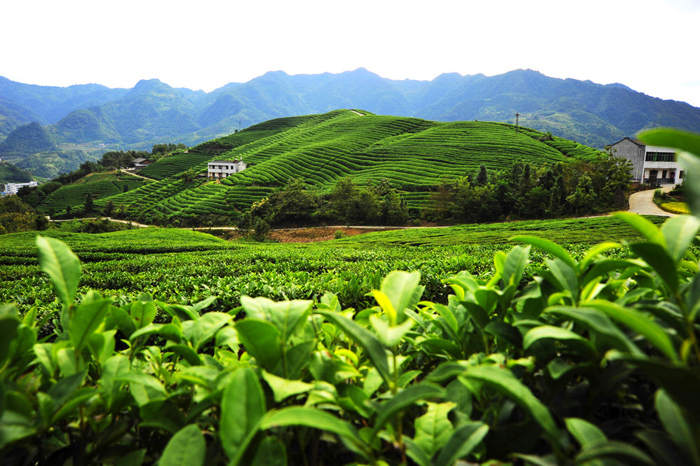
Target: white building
column 650, row 164
column 220, row 169
column 12, row 188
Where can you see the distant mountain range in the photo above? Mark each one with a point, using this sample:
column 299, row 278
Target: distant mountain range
column 78, row 123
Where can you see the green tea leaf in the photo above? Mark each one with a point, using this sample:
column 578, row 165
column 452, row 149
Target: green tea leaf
column 14, row 426
column 386, row 305
column 62, row 390
column 433, row 429
column 186, row 448
column 668, row 137
column 139, row 378
column 447, row 314
column 168, row 331
column 584, row 432
column 59, row 262
column 599, row 322
column 563, row 335
column 640, row 323
column 142, row 313
column 657, row 257
column 595, row 251
column 87, row 317
column 123, row 321
column 316, row 419
column 285, row 315
column 505, row 332
column 403, row 290
column 187, row 353
column 504, row 381
column 262, row 341
column 283, row 388
column 547, row 246
column 565, row 276
column 135, row 458
column 367, row 341
column 271, row 452
column 691, row 163
column 614, row 450
column 161, row 414
column 515, row 264
column 388, row 334
column 242, row 409
column 404, row 399
column 647, row 229
column 605, row 266
column 462, row 442
column 200, row 331
column 9, row 325
column 679, row 233
column 692, row 299
column 677, row 425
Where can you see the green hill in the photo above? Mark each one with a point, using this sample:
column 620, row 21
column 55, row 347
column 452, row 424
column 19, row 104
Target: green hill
column 414, row 155
column 27, row 139
column 12, row 174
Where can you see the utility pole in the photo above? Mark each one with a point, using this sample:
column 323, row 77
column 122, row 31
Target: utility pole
column 517, row 117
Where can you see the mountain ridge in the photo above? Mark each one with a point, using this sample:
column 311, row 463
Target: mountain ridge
column 99, row 118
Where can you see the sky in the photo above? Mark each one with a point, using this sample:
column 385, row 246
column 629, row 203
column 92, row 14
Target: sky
column 648, row 45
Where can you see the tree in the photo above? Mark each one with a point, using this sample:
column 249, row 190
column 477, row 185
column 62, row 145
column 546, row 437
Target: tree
column 89, row 203
column 260, row 229
column 583, row 197
column 108, row 208
column 482, row 178
column 341, row 197
column 394, row 209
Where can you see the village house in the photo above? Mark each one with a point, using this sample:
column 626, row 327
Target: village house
column 220, row 169
column 140, row 163
column 650, row 164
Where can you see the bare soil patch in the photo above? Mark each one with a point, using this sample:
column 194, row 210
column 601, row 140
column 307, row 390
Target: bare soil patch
column 312, row 235
column 308, row 235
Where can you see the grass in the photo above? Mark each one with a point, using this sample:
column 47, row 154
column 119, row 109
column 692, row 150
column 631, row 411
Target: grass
column 680, row 208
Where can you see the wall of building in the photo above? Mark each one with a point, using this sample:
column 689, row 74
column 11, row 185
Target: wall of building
column 632, row 152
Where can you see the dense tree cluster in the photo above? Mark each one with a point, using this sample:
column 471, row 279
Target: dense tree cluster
column 576, row 188
column 347, row 203
column 16, row 215
column 34, row 196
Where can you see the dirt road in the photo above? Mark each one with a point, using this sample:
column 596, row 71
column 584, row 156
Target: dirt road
column 642, row 203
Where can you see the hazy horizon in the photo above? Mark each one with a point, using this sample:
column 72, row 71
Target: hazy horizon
column 642, row 44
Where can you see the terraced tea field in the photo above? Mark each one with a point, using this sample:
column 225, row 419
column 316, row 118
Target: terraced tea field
column 413, row 155
column 101, row 186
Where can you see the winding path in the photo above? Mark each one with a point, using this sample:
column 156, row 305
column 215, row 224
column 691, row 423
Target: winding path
column 642, row 203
